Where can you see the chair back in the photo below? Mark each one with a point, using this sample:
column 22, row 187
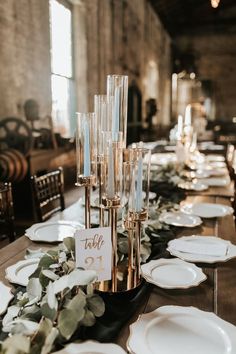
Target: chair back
column 6, row 210
column 48, row 194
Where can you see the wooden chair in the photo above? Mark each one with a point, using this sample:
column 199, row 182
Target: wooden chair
column 48, row 194
column 6, row 211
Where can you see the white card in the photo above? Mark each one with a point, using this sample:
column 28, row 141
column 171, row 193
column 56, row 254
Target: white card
column 93, row 250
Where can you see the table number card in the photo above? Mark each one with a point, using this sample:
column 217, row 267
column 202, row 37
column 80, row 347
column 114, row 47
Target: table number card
column 93, row 250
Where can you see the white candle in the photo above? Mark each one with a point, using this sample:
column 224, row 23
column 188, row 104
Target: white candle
column 139, row 184
column 110, row 177
column 187, row 118
column 116, row 115
column 180, row 125
column 87, row 171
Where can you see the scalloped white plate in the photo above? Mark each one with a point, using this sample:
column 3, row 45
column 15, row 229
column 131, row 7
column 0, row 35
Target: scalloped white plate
column 194, row 186
column 52, row 231
column 180, row 219
column 91, row 347
column 181, row 330
column 172, row 273
column 5, row 297
column 207, row 210
column 20, row 272
column 207, row 241
column 216, row 182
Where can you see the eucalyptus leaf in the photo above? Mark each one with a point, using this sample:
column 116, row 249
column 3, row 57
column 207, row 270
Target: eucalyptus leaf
column 75, row 278
column 34, row 288
column 96, row 304
column 12, row 313
column 17, row 344
column 51, row 298
column 46, row 261
column 48, row 312
column 21, row 326
column 77, row 304
column 89, row 319
column 50, row 339
column 69, row 242
column 49, row 274
column 67, row 323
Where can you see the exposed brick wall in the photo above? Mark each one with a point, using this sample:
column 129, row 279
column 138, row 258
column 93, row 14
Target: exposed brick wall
column 125, row 37
column 111, row 36
column 24, row 56
column 215, row 60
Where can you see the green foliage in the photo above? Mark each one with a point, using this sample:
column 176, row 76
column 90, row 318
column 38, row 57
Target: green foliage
column 58, row 300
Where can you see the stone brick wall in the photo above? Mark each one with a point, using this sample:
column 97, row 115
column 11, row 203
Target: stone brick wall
column 215, row 57
column 123, row 37
column 24, row 56
column 110, row 36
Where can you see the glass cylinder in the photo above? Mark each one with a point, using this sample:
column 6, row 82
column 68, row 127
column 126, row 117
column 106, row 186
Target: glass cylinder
column 85, row 146
column 117, row 94
column 103, row 111
column 138, row 180
column 113, row 158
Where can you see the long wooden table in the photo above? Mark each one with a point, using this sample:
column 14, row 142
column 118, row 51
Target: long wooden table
column 216, row 294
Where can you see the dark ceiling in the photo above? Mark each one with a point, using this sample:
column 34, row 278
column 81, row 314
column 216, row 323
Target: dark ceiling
column 196, row 16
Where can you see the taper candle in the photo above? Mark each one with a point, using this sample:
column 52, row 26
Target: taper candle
column 110, row 182
column 188, row 118
column 116, row 115
column 139, row 184
column 87, row 171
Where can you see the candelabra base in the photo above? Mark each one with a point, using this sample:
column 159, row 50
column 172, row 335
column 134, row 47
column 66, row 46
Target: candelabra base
column 126, row 279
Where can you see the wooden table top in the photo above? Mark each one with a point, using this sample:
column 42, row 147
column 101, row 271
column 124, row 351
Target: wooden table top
column 216, row 294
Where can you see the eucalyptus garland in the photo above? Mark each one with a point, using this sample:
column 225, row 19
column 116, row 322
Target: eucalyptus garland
column 58, row 301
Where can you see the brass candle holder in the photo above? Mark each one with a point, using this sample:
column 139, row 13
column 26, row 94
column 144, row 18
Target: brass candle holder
column 87, row 182
column 133, row 224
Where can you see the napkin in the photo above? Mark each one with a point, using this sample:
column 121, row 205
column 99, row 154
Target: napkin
column 199, row 247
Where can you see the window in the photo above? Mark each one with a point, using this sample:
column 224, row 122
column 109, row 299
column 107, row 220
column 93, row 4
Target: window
column 61, row 67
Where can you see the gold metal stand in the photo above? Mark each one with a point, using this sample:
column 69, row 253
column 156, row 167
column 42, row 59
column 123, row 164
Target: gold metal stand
column 134, row 226
column 87, row 183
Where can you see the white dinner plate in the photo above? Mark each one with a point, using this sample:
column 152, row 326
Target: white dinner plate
column 54, row 231
column 207, row 210
column 20, row 272
column 197, row 186
column 181, row 330
column 180, row 219
column 5, row 297
column 215, row 157
column 162, row 158
column 206, row 242
column 217, row 164
column 172, row 273
column 218, row 172
column 91, row 347
column 216, row 182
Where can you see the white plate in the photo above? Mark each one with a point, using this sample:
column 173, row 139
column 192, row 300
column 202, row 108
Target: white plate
column 5, row 297
column 181, row 330
column 194, row 186
column 163, row 158
column 215, row 158
column 216, row 182
column 207, row 210
column 54, row 231
column 20, row 272
column 218, row 172
column 208, row 241
column 172, row 273
column 91, row 347
column 217, row 164
column 180, row 219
